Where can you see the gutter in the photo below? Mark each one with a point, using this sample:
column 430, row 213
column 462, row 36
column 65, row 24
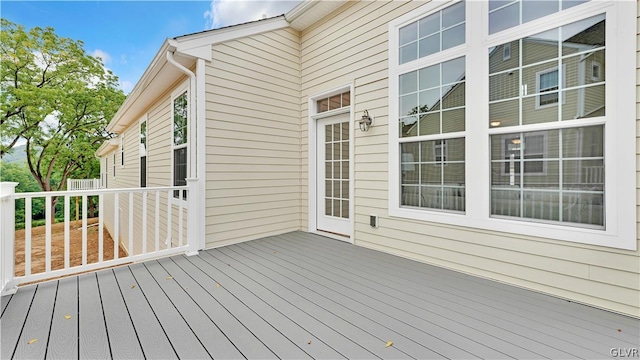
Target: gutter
column 197, row 158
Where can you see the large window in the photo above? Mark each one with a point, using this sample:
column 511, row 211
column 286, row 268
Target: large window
column 431, row 113
column 180, row 143
column 515, row 125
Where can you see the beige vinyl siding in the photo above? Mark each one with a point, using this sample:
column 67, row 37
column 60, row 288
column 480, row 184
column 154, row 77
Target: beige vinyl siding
column 253, row 138
column 350, row 46
column 159, row 173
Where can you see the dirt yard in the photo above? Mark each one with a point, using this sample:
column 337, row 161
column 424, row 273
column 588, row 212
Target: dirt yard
column 57, row 246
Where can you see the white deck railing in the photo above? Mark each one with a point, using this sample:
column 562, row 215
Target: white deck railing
column 147, row 222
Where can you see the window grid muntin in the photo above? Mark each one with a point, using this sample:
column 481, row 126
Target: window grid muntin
column 562, row 5
column 334, row 102
column 520, row 189
column 417, row 185
column 417, row 115
column 525, row 93
column 439, row 33
column 337, row 168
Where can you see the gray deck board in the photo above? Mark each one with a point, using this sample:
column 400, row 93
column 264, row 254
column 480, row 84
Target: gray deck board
column 93, row 341
column 505, row 330
column 63, row 339
column 13, row 320
column 186, row 344
column 123, row 340
column 36, row 326
column 319, row 332
column 320, row 305
column 483, row 293
column 217, row 344
column 298, row 296
column 252, row 311
column 151, row 335
column 245, row 341
column 450, row 342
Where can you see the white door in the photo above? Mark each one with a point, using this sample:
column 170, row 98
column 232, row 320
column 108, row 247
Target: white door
column 333, row 168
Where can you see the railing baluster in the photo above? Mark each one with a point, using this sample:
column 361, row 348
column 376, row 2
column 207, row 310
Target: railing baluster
column 144, row 222
column 130, row 233
column 67, row 234
column 180, row 220
column 100, row 228
column 47, row 246
column 27, row 236
column 84, row 229
column 169, row 195
column 157, row 228
column 116, row 225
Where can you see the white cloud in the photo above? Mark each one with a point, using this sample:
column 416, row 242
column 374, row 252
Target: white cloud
column 232, row 12
column 126, row 86
column 97, row 53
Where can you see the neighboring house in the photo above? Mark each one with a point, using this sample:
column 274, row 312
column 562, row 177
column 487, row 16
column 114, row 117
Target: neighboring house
column 503, row 142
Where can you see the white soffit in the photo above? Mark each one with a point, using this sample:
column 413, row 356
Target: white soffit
column 308, row 12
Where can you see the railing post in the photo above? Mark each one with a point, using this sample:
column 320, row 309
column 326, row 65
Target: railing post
column 193, row 217
column 8, row 285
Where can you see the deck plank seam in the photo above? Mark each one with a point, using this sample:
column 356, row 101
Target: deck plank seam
column 104, row 317
column 53, row 311
column 278, row 330
column 176, row 308
column 203, row 311
column 311, row 316
column 153, row 311
column 6, row 304
column 24, row 322
column 401, row 309
column 322, row 307
column 221, row 304
column 133, row 325
column 597, row 335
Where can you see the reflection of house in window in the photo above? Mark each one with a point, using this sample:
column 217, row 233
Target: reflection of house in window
column 440, row 150
column 547, row 86
column 533, row 148
column 506, row 51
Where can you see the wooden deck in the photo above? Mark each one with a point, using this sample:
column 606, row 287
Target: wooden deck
column 299, row 296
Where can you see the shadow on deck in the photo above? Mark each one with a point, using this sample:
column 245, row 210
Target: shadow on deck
column 298, row 296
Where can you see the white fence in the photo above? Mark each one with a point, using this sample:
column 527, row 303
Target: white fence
column 83, row 184
column 146, row 222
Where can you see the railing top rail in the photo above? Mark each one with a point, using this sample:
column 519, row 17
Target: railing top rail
column 96, row 191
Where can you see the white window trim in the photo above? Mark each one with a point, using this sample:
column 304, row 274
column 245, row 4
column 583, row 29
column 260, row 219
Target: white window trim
column 184, row 87
column 620, row 141
column 114, row 165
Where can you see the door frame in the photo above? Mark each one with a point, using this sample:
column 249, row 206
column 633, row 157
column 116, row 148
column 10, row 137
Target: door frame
column 313, row 163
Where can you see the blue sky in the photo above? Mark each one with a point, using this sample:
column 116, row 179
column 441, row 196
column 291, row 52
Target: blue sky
column 127, row 34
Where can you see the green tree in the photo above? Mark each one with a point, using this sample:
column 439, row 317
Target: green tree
column 19, row 172
column 57, row 98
